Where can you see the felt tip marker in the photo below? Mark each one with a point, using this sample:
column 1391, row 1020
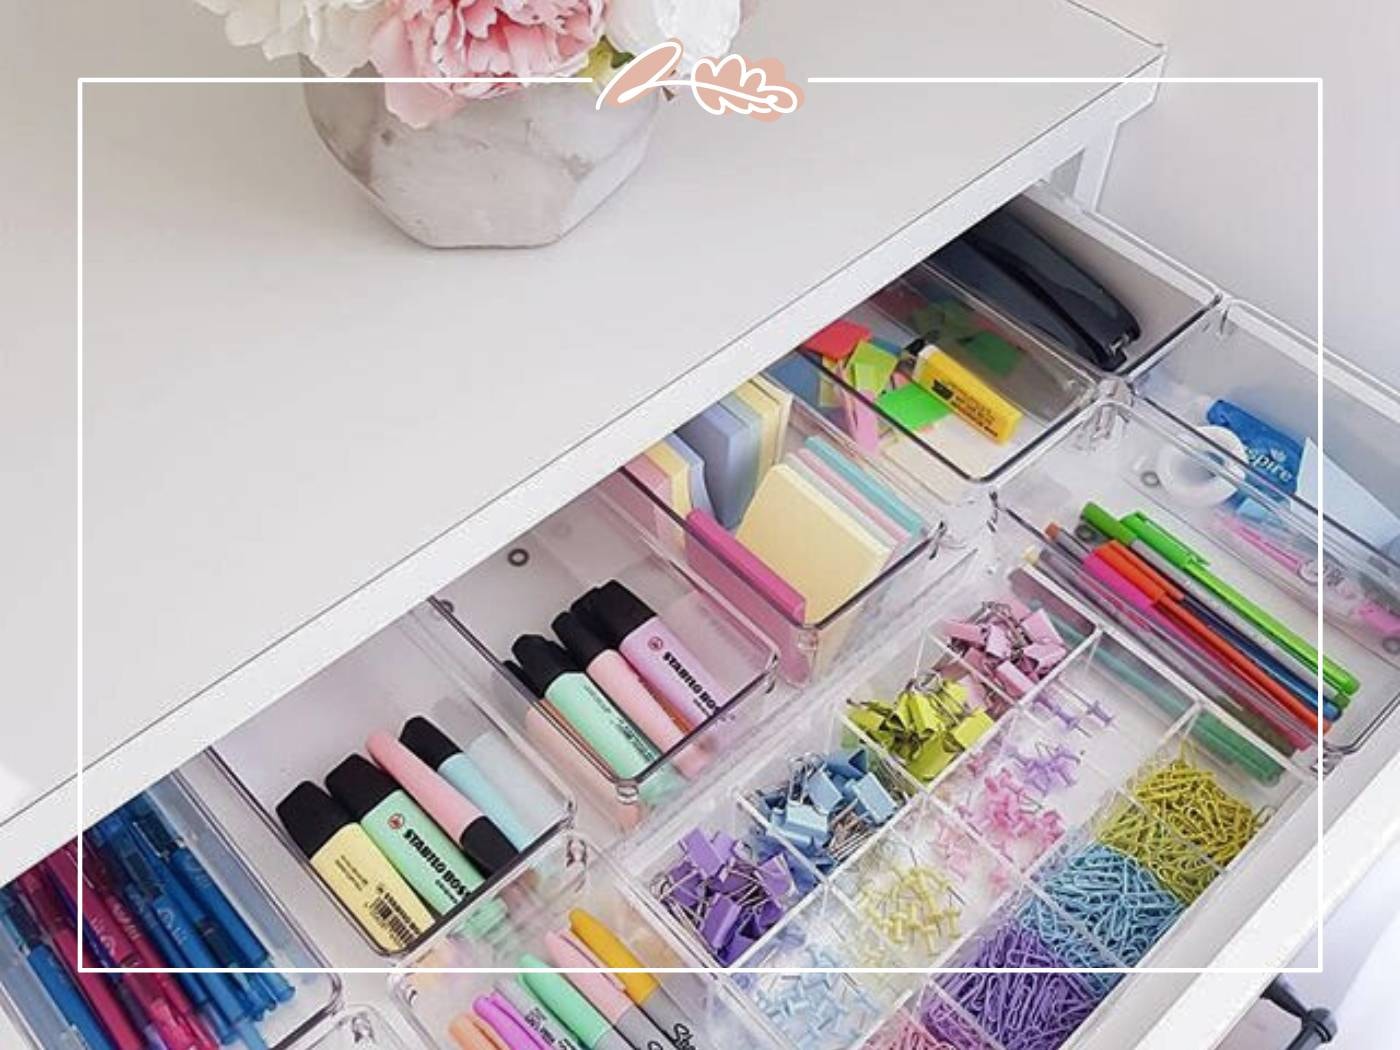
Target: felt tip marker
column 480, row 840
column 470, row 1032
column 643, row 988
column 506, row 1023
column 614, row 676
column 567, row 1003
column 605, row 991
column 353, row 868
column 523, row 814
column 664, row 662
column 549, row 1030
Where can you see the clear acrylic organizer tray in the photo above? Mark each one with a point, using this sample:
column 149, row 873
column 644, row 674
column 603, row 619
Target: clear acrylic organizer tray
column 807, row 647
column 520, row 590
column 513, row 918
column 1129, row 459
column 316, row 995
column 381, row 683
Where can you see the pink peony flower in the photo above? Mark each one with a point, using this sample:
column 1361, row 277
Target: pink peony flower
column 477, row 38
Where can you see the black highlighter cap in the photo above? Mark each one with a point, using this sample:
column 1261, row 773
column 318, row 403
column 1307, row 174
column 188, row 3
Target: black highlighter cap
column 543, row 660
column 311, row 817
column 583, row 644
column 427, row 741
column 518, row 673
column 616, row 611
column 359, row 785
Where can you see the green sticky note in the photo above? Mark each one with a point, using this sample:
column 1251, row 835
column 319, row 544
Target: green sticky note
column 995, row 354
column 870, row 367
column 912, row 407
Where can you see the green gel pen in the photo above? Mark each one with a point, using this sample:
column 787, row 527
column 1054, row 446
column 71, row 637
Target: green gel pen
column 1191, row 563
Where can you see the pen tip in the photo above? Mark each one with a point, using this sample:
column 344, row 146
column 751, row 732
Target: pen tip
column 1052, row 530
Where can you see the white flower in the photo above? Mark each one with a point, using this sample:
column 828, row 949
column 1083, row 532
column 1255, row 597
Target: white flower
column 335, row 34
column 705, row 28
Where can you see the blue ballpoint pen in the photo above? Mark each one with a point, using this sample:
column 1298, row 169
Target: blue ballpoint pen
column 62, row 992
column 255, row 1000
column 196, row 878
column 225, row 1002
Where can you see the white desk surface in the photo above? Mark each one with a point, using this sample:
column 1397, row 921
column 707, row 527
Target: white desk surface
column 298, row 423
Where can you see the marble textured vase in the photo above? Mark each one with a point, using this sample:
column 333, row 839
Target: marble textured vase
column 520, row 169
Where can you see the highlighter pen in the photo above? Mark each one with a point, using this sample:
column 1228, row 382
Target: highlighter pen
column 222, row 997
column 481, row 841
column 506, row 1023
column 253, row 998
column 663, row 661
column 605, row 992
column 592, row 715
column 521, row 817
column 353, row 869
column 49, row 914
column 543, row 1023
column 565, row 1002
column 622, row 685
column 105, row 935
column 188, row 868
column 971, row 398
column 1179, row 554
column 415, row 846
column 643, row 988
column 49, row 972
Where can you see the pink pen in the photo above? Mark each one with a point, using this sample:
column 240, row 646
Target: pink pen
column 506, row 1023
column 662, row 660
column 54, row 922
column 605, row 991
column 103, row 927
column 615, row 677
column 482, row 842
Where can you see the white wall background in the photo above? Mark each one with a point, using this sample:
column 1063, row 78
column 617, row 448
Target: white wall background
column 1224, row 176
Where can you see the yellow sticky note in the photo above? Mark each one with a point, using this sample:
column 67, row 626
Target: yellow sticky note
column 808, row 540
column 677, row 470
column 769, row 416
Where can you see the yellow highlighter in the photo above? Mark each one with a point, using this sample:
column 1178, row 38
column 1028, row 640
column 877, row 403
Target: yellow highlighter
column 970, row 397
column 642, row 988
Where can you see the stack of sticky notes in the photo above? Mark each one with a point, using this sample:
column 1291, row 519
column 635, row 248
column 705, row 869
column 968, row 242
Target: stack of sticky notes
column 736, row 440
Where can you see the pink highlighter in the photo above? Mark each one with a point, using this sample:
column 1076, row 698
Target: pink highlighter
column 484, row 844
column 652, row 648
column 615, row 677
column 604, row 990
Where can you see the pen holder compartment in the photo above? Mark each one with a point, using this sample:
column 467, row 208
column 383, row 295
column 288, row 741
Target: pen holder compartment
column 808, row 639
column 816, row 1010
column 298, row 1001
column 379, row 685
column 1114, row 456
column 581, row 546
column 514, row 917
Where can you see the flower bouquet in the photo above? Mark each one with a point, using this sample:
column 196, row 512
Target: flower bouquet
column 473, row 122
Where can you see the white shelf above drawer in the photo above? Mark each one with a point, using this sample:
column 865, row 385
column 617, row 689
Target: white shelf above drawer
column 298, row 424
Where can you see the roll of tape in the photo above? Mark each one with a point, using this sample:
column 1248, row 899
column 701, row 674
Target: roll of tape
column 1190, row 483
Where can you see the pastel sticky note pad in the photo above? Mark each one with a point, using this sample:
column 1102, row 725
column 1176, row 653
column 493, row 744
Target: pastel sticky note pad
column 870, row 368
column 678, row 471
column 877, row 492
column 730, row 449
column 838, row 340
column 770, row 417
column 752, row 421
column 912, row 407
column 695, row 470
column 993, row 352
column 846, row 496
column 799, row 377
column 809, row 541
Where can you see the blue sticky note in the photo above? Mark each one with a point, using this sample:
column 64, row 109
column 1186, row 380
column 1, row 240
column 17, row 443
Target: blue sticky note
column 699, row 492
column 873, row 490
column 731, row 449
column 800, row 376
